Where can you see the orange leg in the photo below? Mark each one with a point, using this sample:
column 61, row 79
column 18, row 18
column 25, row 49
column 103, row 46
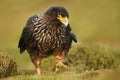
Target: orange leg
column 59, row 61
column 36, row 61
column 37, row 66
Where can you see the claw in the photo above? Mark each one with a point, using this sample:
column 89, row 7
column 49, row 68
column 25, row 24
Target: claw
column 65, row 66
column 58, row 65
column 56, row 69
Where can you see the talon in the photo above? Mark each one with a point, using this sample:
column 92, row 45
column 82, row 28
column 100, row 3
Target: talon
column 60, row 64
column 65, row 66
column 56, row 69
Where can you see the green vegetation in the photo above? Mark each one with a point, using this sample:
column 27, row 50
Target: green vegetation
column 8, row 66
column 96, row 21
column 92, row 56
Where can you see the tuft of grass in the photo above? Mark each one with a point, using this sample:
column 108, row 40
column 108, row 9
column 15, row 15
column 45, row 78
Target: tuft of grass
column 8, row 66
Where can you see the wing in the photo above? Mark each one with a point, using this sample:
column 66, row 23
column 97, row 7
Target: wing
column 26, row 39
column 74, row 38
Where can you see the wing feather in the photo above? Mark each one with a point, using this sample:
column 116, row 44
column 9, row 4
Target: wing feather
column 26, row 39
column 74, row 38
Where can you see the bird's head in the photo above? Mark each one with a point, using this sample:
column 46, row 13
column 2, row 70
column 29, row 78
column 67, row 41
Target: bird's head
column 59, row 13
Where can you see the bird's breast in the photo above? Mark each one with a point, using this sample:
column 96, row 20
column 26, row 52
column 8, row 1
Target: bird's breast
column 50, row 38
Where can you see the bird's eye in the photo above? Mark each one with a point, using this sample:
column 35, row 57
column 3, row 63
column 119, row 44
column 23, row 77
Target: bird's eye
column 60, row 14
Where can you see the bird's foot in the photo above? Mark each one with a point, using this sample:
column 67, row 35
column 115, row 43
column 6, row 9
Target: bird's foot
column 59, row 65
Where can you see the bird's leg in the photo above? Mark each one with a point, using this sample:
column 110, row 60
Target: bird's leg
column 36, row 61
column 37, row 66
column 59, row 61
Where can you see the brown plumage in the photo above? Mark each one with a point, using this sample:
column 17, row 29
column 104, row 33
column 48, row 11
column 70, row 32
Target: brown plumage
column 47, row 34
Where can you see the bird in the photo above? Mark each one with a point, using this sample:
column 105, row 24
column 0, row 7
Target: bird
column 45, row 34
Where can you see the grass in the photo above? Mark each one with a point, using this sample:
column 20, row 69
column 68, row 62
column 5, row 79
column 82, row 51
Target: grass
column 47, row 77
column 68, row 75
column 71, row 75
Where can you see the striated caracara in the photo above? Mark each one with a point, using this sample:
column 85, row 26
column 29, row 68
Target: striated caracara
column 46, row 34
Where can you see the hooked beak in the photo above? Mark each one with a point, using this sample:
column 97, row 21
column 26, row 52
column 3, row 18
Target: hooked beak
column 64, row 20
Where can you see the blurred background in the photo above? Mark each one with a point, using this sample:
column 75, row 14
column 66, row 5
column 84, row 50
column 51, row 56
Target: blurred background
column 91, row 20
